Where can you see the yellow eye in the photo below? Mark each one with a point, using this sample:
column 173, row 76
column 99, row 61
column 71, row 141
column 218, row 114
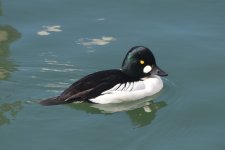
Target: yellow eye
column 142, row 62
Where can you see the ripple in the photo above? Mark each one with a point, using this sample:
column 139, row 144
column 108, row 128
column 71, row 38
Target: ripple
column 55, row 87
column 54, row 62
column 55, row 66
column 169, row 91
column 57, row 70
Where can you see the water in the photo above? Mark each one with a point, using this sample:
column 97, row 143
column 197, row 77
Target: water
column 46, row 45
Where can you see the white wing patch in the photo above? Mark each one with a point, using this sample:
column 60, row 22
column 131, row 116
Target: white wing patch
column 130, row 86
column 120, row 87
column 130, row 91
column 114, row 88
column 126, row 87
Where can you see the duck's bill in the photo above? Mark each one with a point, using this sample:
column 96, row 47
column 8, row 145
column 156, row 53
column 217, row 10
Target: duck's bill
column 157, row 71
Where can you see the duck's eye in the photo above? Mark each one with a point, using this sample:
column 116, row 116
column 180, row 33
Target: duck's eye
column 142, row 62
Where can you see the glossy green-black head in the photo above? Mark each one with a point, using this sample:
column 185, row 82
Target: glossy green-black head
column 140, row 62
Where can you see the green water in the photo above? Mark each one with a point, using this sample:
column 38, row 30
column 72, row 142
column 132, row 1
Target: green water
column 46, row 45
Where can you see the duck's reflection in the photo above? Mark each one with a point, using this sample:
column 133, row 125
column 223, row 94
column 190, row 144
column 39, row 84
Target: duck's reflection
column 140, row 117
column 7, row 35
column 8, row 112
column 141, row 112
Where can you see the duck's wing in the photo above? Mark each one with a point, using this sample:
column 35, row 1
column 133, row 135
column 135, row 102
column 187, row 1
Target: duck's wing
column 89, row 87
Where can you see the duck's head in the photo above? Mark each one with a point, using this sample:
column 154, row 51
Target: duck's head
column 140, row 62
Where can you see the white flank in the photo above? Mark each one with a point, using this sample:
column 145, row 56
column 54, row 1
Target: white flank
column 130, row 91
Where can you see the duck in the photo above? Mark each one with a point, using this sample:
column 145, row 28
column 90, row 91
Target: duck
column 138, row 78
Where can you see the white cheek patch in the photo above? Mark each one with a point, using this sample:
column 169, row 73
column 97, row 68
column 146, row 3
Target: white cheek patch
column 147, row 69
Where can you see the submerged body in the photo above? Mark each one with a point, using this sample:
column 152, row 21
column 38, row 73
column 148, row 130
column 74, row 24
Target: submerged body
column 138, row 78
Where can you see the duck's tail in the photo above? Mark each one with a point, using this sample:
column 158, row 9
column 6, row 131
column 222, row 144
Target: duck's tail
column 52, row 101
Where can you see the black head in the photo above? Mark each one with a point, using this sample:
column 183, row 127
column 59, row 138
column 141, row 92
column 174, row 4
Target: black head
column 140, row 62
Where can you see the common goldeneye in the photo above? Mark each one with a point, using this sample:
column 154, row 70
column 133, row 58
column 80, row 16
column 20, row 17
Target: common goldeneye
column 139, row 77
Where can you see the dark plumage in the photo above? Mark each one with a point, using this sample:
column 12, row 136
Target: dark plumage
column 89, row 87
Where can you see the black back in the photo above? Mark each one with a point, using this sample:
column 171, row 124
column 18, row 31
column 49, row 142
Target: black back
column 89, row 87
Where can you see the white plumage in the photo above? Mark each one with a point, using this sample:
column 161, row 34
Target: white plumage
column 130, row 91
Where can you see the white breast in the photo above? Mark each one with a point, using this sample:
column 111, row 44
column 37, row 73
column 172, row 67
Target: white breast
column 130, row 91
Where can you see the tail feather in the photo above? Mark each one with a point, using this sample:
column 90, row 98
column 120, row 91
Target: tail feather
column 52, row 101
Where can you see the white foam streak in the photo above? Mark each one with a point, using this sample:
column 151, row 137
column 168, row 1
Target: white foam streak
column 48, row 29
column 104, row 40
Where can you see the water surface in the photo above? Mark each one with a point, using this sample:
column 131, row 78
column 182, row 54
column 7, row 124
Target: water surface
column 46, row 45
